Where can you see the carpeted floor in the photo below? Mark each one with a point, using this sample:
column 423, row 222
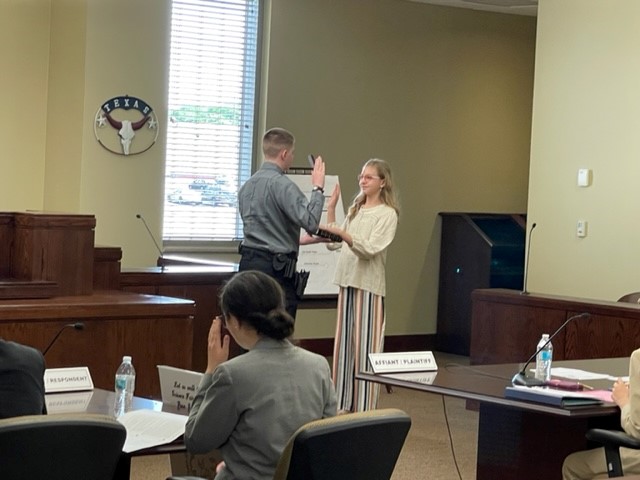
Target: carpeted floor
column 427, row 452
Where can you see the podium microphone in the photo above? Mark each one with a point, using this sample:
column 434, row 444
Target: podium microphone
column 526, row 262
column 77, row 326
column 153, row 239
column 521, row 378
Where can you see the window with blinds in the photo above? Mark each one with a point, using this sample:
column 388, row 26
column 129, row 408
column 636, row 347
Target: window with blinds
column 210, row 129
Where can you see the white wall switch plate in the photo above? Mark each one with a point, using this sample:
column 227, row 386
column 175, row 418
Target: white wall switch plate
column 581, row 230
column 584, row 177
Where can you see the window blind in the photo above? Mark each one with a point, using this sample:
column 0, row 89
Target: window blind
column 211, row 106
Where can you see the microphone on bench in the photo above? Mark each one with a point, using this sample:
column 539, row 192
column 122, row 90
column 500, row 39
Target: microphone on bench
column 77, row 326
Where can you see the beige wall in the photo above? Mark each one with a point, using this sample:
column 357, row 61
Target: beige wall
column 126, row 53
column 444, row 94
column 24, row 57
column 65, row 121
column 586, row 115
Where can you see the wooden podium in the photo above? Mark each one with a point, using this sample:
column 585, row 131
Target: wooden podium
column 52, row 275
column 478, row 250
column 49, row 254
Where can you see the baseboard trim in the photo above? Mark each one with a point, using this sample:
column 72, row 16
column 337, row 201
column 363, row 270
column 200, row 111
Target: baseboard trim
column 392, row 343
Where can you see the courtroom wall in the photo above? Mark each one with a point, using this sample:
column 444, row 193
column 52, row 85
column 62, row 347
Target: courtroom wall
column 24, row 51
column 127, row 50
column 65, row 103
column 586, row 114
column 444, row 94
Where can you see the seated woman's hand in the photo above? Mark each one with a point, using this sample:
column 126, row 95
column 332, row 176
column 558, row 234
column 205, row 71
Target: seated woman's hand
column 218, row 346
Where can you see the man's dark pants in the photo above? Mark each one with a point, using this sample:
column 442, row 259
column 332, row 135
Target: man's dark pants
column 252, row 259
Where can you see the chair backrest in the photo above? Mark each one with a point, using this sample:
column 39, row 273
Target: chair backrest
column 354, row 446
column 630, row 298
column 60, row 447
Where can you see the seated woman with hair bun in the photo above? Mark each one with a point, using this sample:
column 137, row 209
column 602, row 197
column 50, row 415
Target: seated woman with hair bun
column 250, row 405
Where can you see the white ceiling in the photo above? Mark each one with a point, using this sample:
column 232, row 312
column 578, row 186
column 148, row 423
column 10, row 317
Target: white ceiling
column 515, row 7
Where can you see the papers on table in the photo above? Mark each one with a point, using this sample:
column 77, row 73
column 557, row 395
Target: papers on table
column 584, row 375
column 576, row 374
column 604, row 395
column 566, row 398
column 550, row 396
column 149, row 428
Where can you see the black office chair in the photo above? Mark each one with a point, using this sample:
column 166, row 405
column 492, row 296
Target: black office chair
column 630, row 298
column 354, row 446
column 60, row 447
column 612, row 440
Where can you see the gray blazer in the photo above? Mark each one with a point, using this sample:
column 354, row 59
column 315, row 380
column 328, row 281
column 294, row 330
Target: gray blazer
column 253, row 403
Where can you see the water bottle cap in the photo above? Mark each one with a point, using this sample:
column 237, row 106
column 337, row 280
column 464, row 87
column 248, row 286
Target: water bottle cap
column 545, row 336
column 126, row 359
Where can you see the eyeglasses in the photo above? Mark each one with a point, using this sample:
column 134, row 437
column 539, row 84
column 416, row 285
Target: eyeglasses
column 368, row 178
column 223, row 319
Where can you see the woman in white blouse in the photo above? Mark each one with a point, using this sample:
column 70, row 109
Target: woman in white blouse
column 367, row 232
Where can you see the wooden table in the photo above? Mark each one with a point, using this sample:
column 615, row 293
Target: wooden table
column 516, row 439
column 98, row 401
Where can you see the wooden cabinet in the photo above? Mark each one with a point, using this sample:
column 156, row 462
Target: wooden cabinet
column 478, row 250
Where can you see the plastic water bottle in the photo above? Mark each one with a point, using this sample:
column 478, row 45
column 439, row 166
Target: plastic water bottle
column 125, row 386
column 543, row 359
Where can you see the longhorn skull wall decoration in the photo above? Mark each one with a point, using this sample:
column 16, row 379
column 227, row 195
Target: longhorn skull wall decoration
column 120, row 120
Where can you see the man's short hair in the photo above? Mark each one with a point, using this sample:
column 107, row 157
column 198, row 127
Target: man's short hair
column 275, row 140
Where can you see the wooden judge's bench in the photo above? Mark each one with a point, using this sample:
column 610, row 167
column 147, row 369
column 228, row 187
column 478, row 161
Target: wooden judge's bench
column 52, row 274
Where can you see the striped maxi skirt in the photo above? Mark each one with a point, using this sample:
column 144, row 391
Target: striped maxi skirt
column 359, row 331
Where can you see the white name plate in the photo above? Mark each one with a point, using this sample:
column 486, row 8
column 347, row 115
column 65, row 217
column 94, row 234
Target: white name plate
column 74, row 402
column 73, row 379
column 402, row 362
column 178, row 386
column 426, row 378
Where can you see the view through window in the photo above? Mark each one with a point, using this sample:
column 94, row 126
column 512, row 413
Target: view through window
column 210, row 130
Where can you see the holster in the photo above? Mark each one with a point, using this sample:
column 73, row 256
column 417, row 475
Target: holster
column 302, row 277
column 284, row 263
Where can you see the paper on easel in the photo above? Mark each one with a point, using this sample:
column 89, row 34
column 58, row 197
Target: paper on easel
column 178, row 386
column 316, row 258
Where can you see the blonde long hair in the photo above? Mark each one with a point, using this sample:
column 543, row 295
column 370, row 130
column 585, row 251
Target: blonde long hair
column 388, row 194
